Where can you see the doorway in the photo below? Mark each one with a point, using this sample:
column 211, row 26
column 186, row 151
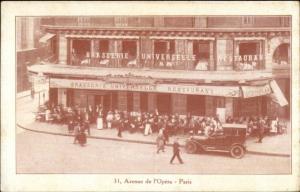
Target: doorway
column 196, row 105
column 164, row 103
column 81, row 48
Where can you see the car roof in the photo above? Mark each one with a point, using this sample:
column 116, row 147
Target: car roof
column 234, row 125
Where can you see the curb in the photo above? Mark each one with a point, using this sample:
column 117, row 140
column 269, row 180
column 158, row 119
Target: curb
column 142, row 142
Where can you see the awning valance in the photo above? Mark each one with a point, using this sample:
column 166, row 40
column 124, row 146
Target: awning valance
column 46, row 37
column 248, row 38
column 255, row 91
column 102, row 36
column 183, row 38
column 277, row 96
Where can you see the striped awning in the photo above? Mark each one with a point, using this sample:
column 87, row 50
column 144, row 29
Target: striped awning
column 46, row 37
column 102, row 36
column 277, row 96
column 248, row 38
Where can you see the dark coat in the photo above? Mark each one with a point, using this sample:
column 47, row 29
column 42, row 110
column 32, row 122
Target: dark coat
column 176, row 147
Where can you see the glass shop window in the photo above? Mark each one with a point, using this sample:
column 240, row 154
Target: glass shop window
column 163, row 51
column 81, row 52
column 281, row 55
column 201, row 51
column 250, row 56
column 129, row 48
column 102, row 50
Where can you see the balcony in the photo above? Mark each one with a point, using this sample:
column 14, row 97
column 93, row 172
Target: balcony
column 174, row 76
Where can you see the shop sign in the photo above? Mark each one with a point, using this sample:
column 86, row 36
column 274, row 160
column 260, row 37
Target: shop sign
column 254, row 91
column 129, row 79
column 240, row 58
column 222, row 91
column 146, row 56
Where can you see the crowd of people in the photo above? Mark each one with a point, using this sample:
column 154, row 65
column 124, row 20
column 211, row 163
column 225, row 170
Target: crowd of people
column 147, row 122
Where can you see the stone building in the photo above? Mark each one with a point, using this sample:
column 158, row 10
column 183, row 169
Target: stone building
column 203, row 65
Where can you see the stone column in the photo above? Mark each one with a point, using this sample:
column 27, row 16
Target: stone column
column 211, row 56
column 62, row 58
column 179, row 104
column 209, row 106
column 62, row 97
column 152, row 104
column 229, row 106
column 122, row 100
column 136, row 101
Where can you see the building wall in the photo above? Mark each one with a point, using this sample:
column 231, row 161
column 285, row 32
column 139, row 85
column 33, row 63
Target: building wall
column 175, row 21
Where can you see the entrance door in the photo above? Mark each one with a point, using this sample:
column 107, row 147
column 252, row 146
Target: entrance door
column 104, row 101
column 99, row 100
column 53, row 94
column 144, row 102
column 196, row 104
column 164, row 103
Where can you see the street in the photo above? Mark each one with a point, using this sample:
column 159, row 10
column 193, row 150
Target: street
column 44, row 153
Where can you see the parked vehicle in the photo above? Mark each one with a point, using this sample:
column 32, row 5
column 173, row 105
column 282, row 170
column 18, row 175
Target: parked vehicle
column 231, row 140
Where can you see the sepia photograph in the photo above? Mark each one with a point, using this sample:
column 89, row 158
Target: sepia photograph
column 150, row 96
column 142, row 94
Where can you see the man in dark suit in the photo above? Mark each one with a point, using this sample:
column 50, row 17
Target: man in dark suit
column 176, row 152
column 261, row 129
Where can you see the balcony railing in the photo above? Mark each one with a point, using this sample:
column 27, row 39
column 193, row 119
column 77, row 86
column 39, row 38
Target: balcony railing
column 201, row 65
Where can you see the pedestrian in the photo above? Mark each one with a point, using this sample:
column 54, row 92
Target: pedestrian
column 76, row 132
column 100, row 119
column 261, row 129
column 160, row 142
column 70, row 126
column 166, row 135
column 109, row 119
column 148, row 129
column 119, row 125
column 176, row 152
column 82, row 138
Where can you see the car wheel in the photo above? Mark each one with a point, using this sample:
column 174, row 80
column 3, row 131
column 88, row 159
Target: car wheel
column 237, row 151
column 191, row 147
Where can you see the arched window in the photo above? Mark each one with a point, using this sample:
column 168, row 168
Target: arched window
column 281, row 54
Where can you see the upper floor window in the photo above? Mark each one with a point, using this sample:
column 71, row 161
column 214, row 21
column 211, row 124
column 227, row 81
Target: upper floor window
column 163, row 49
column 248, row 20
column 129, row 48
column 201, row 50
column 285, row 21
column 250, row 56
column 281, row 55
column 83, row 21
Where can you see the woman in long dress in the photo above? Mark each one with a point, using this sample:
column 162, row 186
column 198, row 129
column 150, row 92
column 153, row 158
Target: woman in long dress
column 100, row 120
column 148, row 129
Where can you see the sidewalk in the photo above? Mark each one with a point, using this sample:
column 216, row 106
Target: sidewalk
column 277, row 145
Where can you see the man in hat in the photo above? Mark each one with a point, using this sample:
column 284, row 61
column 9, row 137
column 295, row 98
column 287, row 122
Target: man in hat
column 176, row 152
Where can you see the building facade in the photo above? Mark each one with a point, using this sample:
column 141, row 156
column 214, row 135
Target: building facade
column 202, row 65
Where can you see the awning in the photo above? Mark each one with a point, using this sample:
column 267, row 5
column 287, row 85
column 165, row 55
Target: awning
column 103, row 36
column 277, row 96
column 183, row 38
column 46, row 37
column 255, row 91
column 248, row 38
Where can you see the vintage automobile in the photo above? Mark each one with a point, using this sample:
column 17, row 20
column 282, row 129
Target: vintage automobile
column 231, row 139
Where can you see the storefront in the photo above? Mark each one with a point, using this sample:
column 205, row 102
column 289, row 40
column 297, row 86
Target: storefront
column 229, row 67
column 144, row 95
